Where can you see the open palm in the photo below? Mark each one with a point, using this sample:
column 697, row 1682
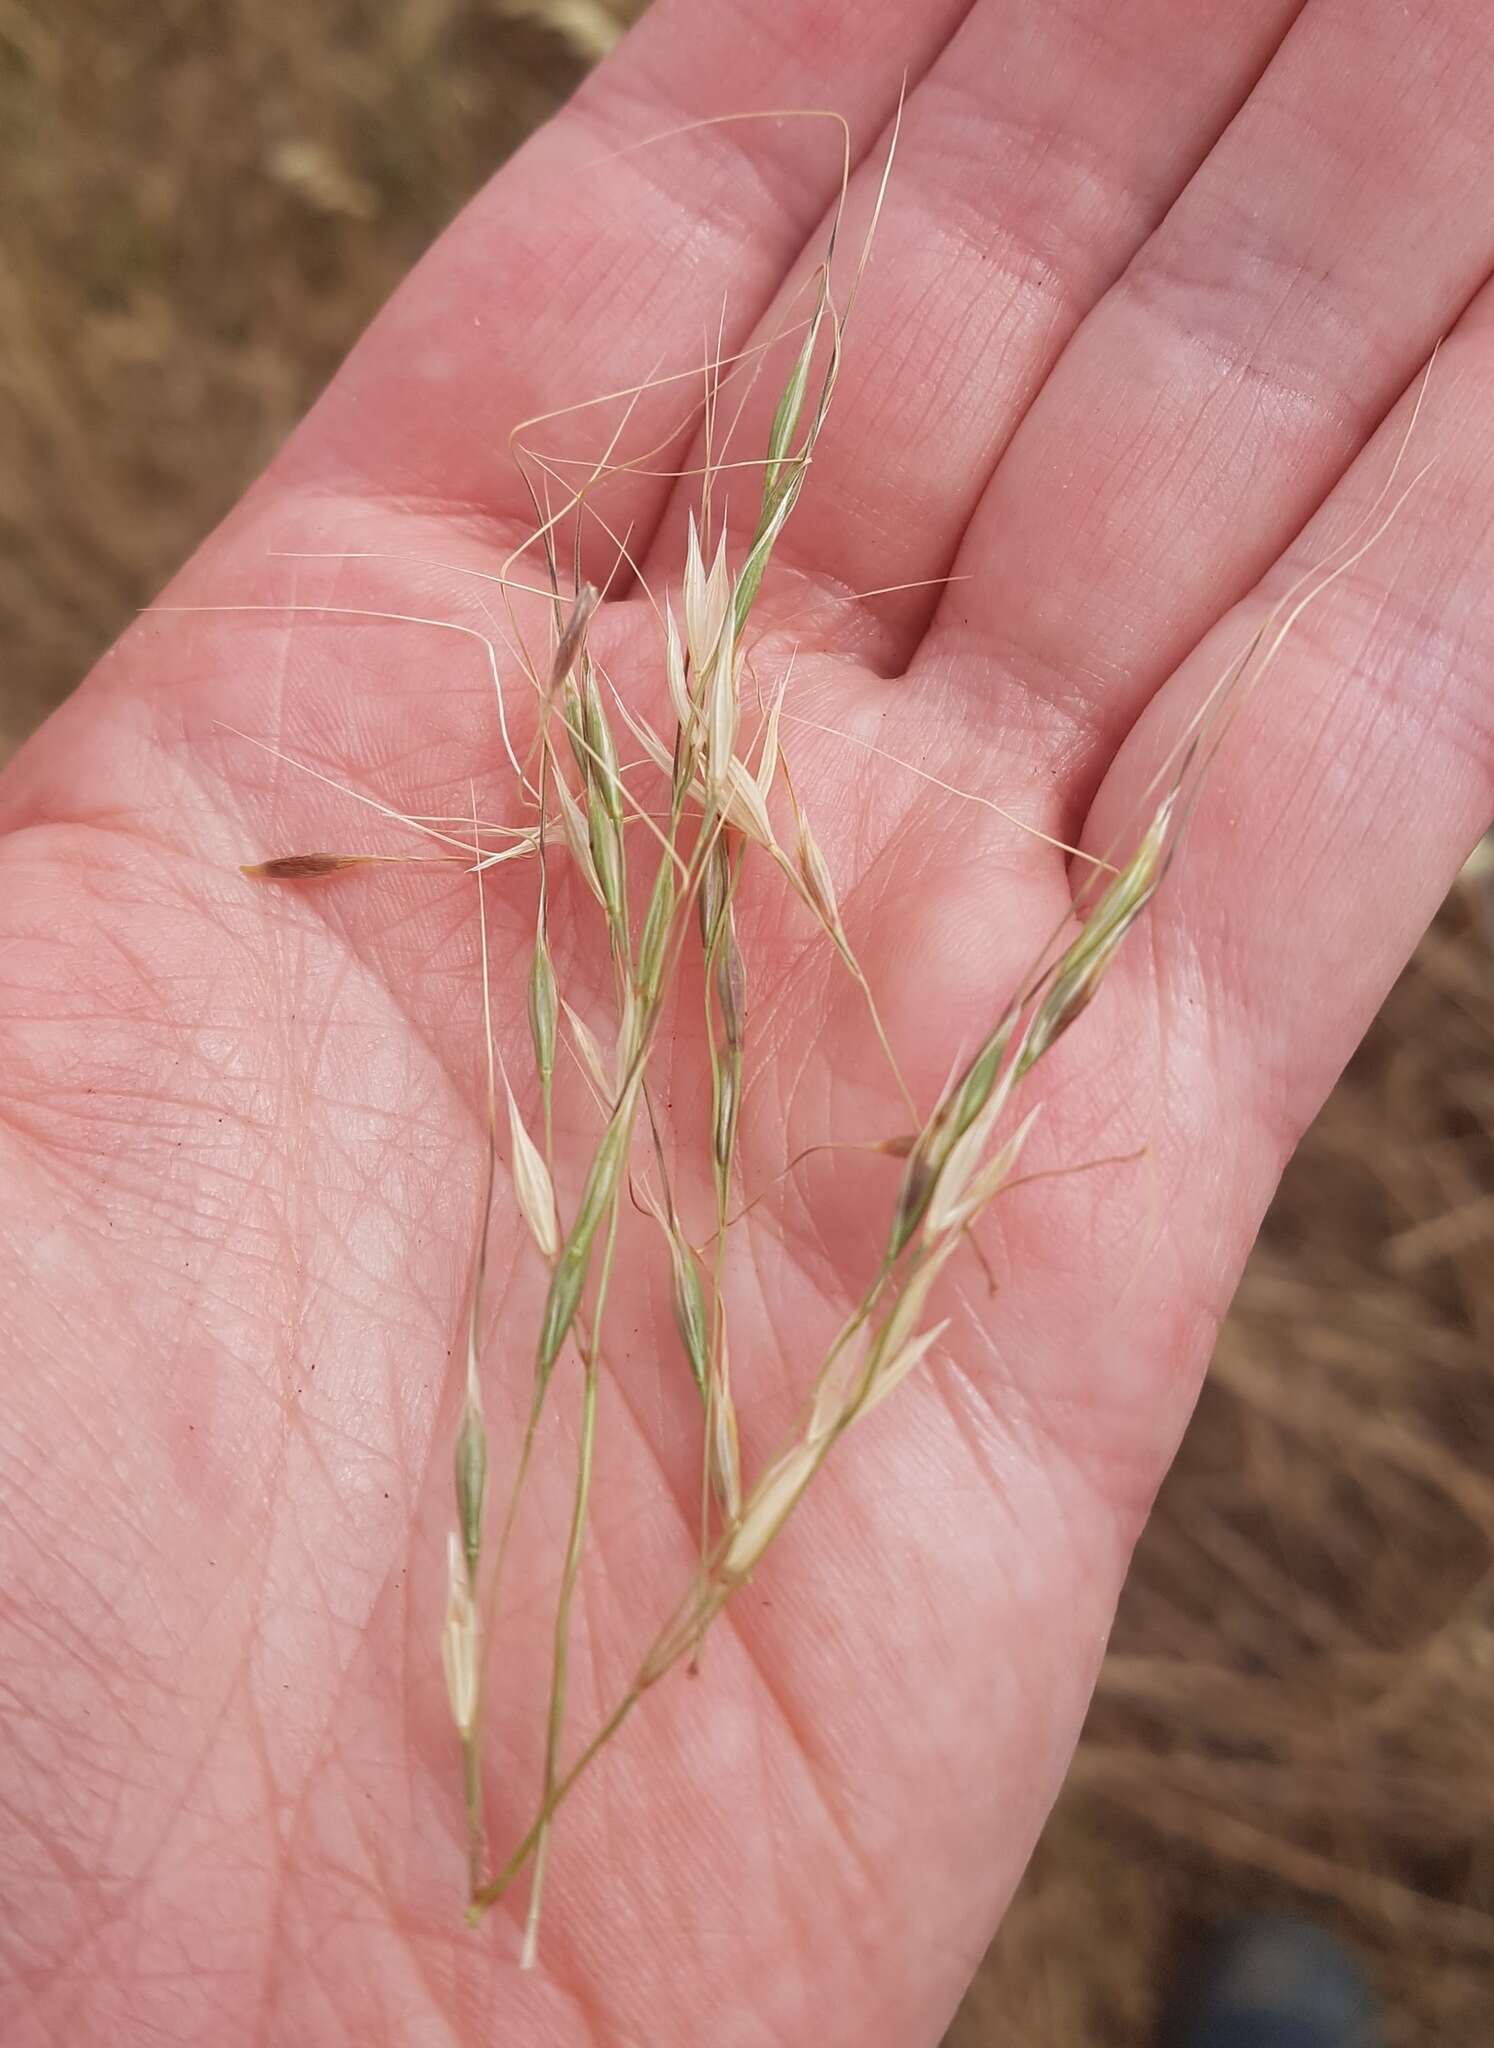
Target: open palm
column 1148, row 286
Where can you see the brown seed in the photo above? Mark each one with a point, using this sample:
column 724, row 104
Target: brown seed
column 305, row 867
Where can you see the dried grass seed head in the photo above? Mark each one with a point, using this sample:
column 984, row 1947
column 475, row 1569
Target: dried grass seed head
column 725, row 1449
column 1079, row 972
column 768, row 1506
column 470, row 1472
column 589, row 1050
column 459, row 1641
column 578, row 838
column 307, row 867
column 954, row 1207
column 542, row 1005
column 722, row 706
column 533, row 1189
column 707, row 599
column 819, row 886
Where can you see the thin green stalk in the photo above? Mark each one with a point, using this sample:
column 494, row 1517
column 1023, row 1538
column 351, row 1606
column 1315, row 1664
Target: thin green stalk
column 682, row 1634
column 471, row 1451
column 489, row 1894
column 599, row 1201
column 472, row 1804
column 560, row 1667
column 725, row 1008
column 543, row 1002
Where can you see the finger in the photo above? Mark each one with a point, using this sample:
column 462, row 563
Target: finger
column 591, row 264
column 1356, row 779
column 1219, row 389
column 1033, row 161
column 1335, row 816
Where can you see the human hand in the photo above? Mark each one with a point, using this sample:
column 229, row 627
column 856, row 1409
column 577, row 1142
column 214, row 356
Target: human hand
column 1145, row 287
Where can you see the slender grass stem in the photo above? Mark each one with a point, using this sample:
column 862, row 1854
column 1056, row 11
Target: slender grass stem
column 560, row 1671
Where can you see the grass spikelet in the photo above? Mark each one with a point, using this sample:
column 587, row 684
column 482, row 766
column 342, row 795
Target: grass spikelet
column 470, row 1465
column 815, row 879
column 721, row 709
column 543, row 1011
column 707, row 599
column 576, row 827
column 767, row 1508
column 532, row 1184
column 459, row 1643
column 1079, row 972
column 724, row 1451
column 574, row 1262
column 743, row 804
column 654, row 937
column 593, row 1059
column 688, row 1298
column 962, row 1195
column 674, row 671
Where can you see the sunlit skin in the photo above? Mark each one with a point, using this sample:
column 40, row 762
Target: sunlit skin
column 1149, row 294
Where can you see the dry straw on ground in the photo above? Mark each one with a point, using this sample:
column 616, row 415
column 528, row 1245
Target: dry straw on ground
column 1295, row 1707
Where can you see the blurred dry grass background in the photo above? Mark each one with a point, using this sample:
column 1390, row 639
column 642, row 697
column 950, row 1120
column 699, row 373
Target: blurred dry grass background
column 202, row 207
